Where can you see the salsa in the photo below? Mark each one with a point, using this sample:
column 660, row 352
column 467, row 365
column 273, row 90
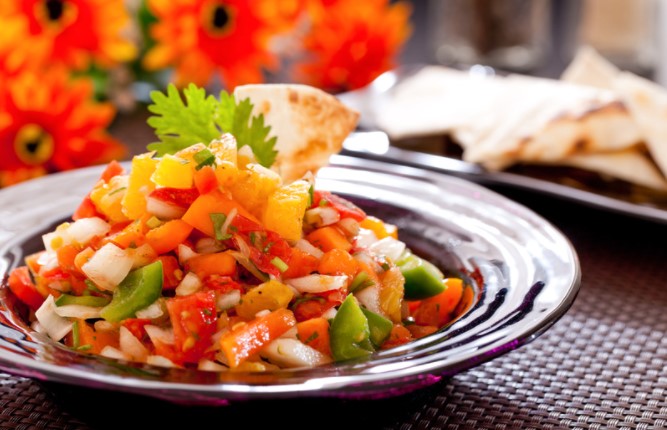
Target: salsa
column 205, row 258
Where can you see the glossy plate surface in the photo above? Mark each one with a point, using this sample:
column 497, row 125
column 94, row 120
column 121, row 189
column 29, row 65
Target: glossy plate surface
column 530, row 271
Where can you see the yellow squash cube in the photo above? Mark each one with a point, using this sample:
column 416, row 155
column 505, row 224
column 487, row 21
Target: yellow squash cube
column 174, row 172
column 270, row 295
column 107, row 197
column 285, row 209
column 254, row 186
column 139, row 185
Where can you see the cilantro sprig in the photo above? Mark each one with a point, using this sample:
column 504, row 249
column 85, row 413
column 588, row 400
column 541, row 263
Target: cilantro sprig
column 197, row 117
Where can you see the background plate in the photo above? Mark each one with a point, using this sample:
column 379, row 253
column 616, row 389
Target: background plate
column 530, row 271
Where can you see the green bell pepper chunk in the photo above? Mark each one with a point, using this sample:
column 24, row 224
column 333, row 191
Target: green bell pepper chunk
column 422, row 278
column 349, row 335
column 139, row 289
column 380, row 327
column 93, row 301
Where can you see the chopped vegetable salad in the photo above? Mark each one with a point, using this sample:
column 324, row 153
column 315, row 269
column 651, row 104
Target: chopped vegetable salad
column 202, row 257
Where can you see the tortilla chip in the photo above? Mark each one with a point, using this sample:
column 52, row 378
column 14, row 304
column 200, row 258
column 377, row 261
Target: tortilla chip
column 647, row 103
column 310, row 124
column 590, row 68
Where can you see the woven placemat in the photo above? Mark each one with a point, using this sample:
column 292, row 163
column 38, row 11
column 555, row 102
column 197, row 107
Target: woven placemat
column 603, row 365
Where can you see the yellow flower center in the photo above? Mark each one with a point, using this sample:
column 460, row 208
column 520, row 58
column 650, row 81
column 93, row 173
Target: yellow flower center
column 33, row 145
column 217, row 18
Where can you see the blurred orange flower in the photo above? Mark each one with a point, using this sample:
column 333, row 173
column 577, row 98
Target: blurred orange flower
column 201, row 37
column 48, row 124
column 38, row 33
column 352, row 42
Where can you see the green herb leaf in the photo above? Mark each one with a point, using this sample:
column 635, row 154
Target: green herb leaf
column 204, row 158
column 199, row 118
column 218, row 220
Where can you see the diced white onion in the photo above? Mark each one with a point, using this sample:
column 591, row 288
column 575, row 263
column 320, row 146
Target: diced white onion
column 228, row 300
column 84, row 229
column 185, row 253
column 309, row 248
column 115, row 353
column 159, row 334
column 78, row 311
column 108, row 266
column 152, row 311
column 365, row 238
column 369, row 297
column 55, row 326
column 228, row 221
column 291, row 333
column 330, row 313
column 262, row 313
column 388, row 247
column 188, row 285
column 350, row 226
column 103, row 325
column 211, row 366
column 47, row 261
column 131, row 346
column 160, row 361
column 162, row 209
column 38, row 327
column 365, row 257
column 317, row 283
column 57, row 238
column 321, row 216
column 291, row 353
column 208, row 245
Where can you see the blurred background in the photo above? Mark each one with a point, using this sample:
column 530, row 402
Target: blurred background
column 75, row 75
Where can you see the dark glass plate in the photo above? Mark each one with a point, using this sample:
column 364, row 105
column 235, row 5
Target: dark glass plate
column 530, row 276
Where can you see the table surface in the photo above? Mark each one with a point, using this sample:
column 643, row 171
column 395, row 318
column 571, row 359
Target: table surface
column 602, row 365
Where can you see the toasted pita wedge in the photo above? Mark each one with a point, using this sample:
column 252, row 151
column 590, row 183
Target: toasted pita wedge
column 630, row 165
column 542, row 120
column 647, row 103
column 590, row 68
column 310, row 124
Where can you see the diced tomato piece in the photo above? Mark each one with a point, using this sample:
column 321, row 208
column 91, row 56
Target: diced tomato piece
column 113, row 169
column 311, row 307
column 172, row 274
column 205, row 180
column 24, row 289
column 193, row 319
column 86, row 209
column 181, row 197
column 136, row 326
column 264, row 247
column 221, row 284
column 300, row 264
column 344, row 207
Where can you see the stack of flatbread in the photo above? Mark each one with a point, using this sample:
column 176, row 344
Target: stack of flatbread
column 596, row 118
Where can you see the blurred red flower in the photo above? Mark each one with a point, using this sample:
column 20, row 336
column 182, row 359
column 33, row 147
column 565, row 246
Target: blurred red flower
column 48, row 124
column 351, row 42
column 70, row 33
column 231, row 37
